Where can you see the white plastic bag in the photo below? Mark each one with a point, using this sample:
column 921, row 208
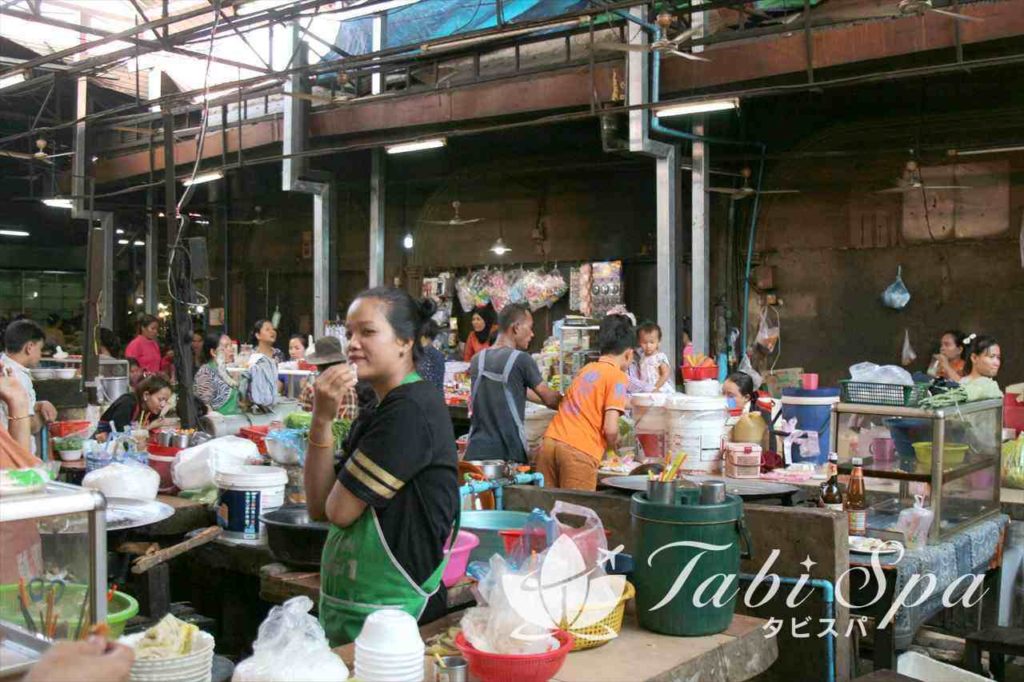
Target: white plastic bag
column 194, row 468
column 124, row 480
column 589, row 538
column 908, row 355
column 768, row 333
column 915, row 522
column 291, row 647
column 896, row 295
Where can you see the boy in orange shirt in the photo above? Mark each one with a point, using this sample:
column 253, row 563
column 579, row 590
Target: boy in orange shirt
column 587, row 423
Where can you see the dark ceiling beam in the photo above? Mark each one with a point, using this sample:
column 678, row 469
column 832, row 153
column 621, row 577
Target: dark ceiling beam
column 153, row 45
column 230, row 24
column 142, row 13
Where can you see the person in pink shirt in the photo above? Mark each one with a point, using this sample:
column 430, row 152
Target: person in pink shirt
column 144, row 347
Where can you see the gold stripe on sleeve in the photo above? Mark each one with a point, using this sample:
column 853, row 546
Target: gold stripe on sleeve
column 378, row 472
column 369, row 481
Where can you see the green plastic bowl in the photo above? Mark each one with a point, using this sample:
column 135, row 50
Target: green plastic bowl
column 953, row 454
column 119, row 610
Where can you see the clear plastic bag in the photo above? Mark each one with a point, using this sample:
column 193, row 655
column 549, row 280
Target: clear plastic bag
column 291, row 647
column 768, row 333
column 195, row 467
column 589, row 538
column 124, row 479
column 907, row 355
column 915, row 522
column 1013, row 463
column 896, row 295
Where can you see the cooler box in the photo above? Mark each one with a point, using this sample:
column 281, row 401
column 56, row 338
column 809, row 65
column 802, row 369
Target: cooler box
column 812, row 410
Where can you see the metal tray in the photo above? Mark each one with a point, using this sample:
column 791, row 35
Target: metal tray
column 122, row 513
column 753, row 489
column 19, row 650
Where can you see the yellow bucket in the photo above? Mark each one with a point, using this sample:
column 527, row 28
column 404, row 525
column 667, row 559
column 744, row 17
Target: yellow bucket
column 595, row 635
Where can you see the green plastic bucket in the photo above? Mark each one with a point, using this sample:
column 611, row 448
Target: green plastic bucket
column 486, row 525
column 660, row 562
column 119, row 610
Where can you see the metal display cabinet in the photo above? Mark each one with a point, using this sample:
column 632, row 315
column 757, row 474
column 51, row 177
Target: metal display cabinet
column 66, row 527
column 960, row 492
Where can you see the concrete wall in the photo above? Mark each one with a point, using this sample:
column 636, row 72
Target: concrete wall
column 836, row 247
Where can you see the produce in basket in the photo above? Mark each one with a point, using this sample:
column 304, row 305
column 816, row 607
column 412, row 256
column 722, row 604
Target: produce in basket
column 68, row 444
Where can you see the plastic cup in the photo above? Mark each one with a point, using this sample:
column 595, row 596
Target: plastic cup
column 809, row 381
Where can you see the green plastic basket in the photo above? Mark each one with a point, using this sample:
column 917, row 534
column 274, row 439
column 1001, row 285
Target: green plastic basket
column 895, row 395
column 119, row 610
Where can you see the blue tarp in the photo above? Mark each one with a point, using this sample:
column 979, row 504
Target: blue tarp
column 435, row 19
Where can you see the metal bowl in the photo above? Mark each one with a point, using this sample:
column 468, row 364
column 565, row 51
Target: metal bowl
column 293, row 538
column 492, row 468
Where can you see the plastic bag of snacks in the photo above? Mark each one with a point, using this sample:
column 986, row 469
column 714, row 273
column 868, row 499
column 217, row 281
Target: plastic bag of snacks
column 498, row 289
column 1013, row 463
column 465, row 293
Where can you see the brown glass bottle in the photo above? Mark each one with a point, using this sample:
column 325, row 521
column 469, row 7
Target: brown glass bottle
column 831, row 494
column 856, row 500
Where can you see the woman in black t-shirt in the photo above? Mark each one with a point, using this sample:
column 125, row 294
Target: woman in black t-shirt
column 143, row 405
column 394, row 502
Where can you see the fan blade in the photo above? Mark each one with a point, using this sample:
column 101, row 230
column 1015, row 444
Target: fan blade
column 24, row 155
column 465, row 221
column 725, row 190
column 937, row 187
column 436, row 222
column 896, row 190
column 622, row 47
column 786, row 21
column 684, row 36
column 689, row 56
column 954, row 15
column 780, row 191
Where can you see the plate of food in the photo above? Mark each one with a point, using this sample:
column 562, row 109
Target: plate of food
column 865, row 545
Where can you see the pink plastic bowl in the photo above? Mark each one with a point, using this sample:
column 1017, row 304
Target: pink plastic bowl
column 458, row 558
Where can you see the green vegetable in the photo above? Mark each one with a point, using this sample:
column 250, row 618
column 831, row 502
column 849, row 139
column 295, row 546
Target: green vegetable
column 69, row 443
column 303, row 420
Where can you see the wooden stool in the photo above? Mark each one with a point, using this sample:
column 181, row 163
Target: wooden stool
column 998, row 642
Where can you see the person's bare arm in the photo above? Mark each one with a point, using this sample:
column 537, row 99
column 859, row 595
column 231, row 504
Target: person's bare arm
column 318, row 474
column 546, row 396
column 663, row 374
column 19, row 417
column 343, row 508
column 611, row 429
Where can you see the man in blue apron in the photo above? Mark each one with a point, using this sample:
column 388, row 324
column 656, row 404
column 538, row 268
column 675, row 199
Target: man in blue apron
column 502, row 375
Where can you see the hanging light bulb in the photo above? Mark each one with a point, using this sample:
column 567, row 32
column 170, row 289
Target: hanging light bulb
column 407, row 241
column 499, row 247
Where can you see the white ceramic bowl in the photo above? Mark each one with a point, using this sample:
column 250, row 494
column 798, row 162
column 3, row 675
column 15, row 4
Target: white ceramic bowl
column 66, row 372
column 70, row 455
column 385, row 660
column 42, row 374
column 403, row 670
column 202, row 651
column 390, row 631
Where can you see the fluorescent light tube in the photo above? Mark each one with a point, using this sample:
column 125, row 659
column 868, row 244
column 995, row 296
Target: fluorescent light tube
column 203, row 177
column 13, row 233
column 58, row 203
column 419, row 145
column 706, row 107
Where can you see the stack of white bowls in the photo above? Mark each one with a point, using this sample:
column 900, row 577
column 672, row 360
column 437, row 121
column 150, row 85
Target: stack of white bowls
column 195, row 666
column 389, row 648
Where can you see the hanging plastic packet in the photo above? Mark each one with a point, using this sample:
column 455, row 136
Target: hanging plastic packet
column 896, row 295
column 768, row 333
column 908, row 355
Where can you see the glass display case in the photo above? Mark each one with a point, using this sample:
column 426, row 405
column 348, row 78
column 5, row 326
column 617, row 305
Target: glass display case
column 577, row 345
column 949, row 456
column 53, row 568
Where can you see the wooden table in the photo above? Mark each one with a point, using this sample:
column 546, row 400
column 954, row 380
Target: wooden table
column 740, row 653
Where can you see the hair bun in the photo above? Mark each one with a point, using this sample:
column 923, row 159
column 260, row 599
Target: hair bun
column 427, row 307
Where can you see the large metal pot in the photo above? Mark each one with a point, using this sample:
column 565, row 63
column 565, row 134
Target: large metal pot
column 293, row 538
column 493, row 469
column 112, row 387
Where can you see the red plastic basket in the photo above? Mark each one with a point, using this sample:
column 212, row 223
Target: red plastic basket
column 699, row 373
column 509, row 668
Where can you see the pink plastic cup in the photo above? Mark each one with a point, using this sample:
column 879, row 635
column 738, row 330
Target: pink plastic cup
column 810, row 381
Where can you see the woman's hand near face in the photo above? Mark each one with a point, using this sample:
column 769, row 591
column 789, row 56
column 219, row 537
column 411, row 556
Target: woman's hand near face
column 330, row 390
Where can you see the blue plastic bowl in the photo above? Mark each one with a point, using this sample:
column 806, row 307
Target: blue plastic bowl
column 486, row 524
column 905, row 432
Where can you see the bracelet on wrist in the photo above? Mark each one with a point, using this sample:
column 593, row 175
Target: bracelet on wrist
column 25, row 416
column 328, row 444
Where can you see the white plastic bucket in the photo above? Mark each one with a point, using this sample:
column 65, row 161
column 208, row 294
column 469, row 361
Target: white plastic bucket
column 705, row 388
column 245, row 493
column 696, row 426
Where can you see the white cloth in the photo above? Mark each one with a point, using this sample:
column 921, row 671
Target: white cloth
column 24, row 376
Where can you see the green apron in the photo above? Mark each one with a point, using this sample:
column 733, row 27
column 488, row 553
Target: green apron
column 360, row 575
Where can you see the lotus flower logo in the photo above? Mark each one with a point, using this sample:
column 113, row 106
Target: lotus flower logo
column 560, row 594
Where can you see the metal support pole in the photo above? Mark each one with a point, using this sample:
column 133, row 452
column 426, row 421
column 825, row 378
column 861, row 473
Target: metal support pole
column 106, row 219
column 667, row 187
column 296, row 115
column 152, row 235
column 378, row 200
column 323, row 304
column 78, row 190
column 700, row 243
column 377, row 44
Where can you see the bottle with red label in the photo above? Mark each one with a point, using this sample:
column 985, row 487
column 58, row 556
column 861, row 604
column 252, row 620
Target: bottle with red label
column 856, row 500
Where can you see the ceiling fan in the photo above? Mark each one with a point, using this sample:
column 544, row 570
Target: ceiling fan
column 920, row 7
column 663, row 45
column 455, row 220
column 745, row 191
column 258, row 220
column 39, row 155
column 912, row 182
